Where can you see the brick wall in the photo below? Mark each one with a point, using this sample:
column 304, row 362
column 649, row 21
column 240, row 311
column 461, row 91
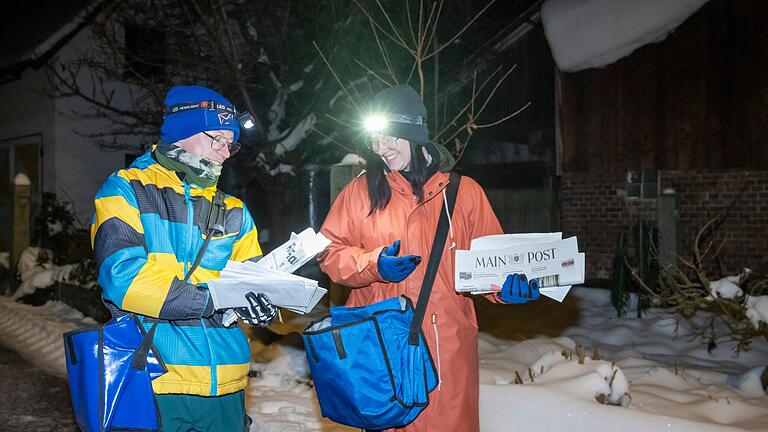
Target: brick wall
column 595, row 207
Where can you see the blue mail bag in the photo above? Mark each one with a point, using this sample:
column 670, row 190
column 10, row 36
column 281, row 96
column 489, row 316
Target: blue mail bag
column 371, row 365
column 365, row 371
column 110, row 369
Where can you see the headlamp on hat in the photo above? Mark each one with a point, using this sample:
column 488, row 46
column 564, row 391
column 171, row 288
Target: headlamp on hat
column 226, row 114
column 246, row 120
column 375, row 123
column 379, row 123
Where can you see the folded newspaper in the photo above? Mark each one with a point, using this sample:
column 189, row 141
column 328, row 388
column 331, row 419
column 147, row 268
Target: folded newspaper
column 272, row 276
column 554, row 261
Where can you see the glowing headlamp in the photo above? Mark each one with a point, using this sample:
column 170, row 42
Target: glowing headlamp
column 378, row 123
column 247, row 121
column 251, row 127
column 375, row 123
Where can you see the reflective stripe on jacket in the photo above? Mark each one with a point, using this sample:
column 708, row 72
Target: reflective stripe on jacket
column 450, row 325
column 146, row 233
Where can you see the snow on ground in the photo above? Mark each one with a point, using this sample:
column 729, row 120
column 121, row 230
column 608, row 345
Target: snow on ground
column 675, row 384
column 650, row 373
column 280, row 398
column 36, row 332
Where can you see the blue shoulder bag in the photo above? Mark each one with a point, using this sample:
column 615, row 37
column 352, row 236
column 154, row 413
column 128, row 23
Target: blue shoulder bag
column 371, row 365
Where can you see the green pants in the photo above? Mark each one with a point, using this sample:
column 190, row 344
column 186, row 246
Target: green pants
column 189, row 413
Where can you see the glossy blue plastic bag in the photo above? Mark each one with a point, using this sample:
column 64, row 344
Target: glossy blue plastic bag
column 365, row 371
column 110, row 373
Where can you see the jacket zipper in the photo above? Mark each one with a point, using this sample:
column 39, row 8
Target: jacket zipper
column 437, row 348
column 187, row 263
column 190, row 222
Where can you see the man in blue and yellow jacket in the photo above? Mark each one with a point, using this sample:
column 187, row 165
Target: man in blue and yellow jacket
column 149, row 226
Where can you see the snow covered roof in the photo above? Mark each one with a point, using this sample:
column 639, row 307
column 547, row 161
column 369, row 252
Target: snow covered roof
column 595, row 33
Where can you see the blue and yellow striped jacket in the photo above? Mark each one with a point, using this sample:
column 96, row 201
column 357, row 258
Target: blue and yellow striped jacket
column 146, row 232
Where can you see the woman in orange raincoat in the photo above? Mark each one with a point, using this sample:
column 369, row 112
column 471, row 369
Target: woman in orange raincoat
column 398, row 203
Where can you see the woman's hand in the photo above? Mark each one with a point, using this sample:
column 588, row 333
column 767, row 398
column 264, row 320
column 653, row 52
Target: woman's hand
column 518, row 290
column 393, row 268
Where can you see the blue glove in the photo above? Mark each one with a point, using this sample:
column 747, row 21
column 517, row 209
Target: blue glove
column 517, row 289
column 393, row 268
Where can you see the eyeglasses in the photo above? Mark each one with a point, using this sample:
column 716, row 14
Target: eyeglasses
column 379, row 140
column 219, row 141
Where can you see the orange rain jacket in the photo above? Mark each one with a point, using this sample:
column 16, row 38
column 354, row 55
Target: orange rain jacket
column 449, row 324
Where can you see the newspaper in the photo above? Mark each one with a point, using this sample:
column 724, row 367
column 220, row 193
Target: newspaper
column 272, row 276
column 556, row 263
column 296, row 252
column 284, row 290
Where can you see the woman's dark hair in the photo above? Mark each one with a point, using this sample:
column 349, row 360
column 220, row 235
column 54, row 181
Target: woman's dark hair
column 379, row 191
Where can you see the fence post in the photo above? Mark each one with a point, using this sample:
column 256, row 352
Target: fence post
column 666, row 220
column 20, row 222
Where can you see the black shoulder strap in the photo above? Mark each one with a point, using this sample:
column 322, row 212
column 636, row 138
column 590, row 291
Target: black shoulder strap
column 434, row 260
column 214, row 222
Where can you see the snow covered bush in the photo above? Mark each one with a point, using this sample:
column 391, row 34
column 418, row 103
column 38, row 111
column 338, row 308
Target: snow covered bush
column 55, row 228
column 731, row 308
column 85, row 274
column 37, row 271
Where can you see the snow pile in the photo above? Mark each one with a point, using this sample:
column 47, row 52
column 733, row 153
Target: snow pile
column 724, row 288
column 35, row 275
column 671, row 372
column 36, row 332
column 728, row 288
column 29, row 260
column 43, row 277
column 749, row 383
column 558, row 369
column 757, row 310
column 595, row 33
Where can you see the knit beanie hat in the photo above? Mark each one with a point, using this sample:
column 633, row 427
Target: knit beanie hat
column 182, row 122
column 405, row 111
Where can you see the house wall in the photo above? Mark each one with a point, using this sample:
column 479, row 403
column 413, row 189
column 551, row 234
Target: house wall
column 595, row 208
column 26, row 112
column 73, row 164
column 26, row 117
column 81, row 166
column 694, row 107
column 696, row 101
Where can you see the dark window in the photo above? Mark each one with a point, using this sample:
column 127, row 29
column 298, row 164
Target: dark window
column 642, row 184
column 144, row 52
